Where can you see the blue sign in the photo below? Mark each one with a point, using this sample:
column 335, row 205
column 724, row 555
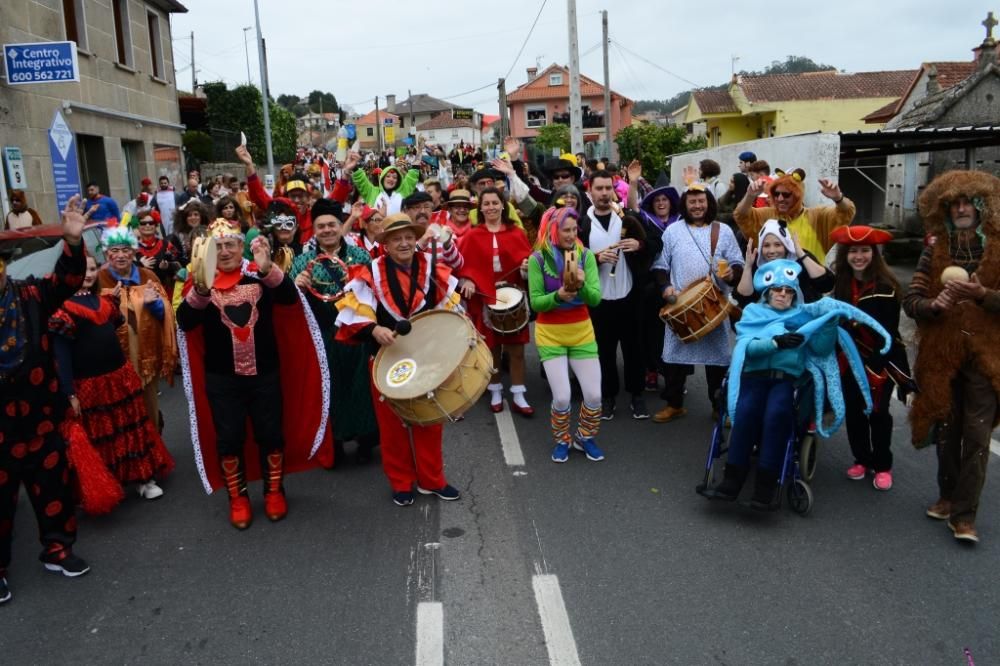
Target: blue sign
column 41, row 62
column 65, row 170
column 352, row 132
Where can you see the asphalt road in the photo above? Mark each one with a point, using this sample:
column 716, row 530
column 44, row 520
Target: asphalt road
column 617, row 562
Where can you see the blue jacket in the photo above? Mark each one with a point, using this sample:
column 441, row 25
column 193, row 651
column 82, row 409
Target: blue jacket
column 763, row 353
column 106, row 208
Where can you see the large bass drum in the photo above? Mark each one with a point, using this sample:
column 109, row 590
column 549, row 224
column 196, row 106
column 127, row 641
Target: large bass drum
column 700, row 309
column 436, row 372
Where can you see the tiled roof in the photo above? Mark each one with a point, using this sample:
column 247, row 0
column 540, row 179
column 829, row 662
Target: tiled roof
column 539, row 88
column 948, row 75
column 369, row 118
column 715, row 101
column 422, row 103
column 444, row 121
column 825, row 85
column 883, row 113
column 928, row 111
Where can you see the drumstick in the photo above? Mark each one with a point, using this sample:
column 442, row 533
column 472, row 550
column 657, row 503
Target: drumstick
column 403, row 327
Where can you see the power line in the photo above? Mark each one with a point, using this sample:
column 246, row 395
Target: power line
column 491, row 84
column 653, row 64
column 521, row 50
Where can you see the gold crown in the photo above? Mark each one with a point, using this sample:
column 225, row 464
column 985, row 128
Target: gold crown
column 223, row 228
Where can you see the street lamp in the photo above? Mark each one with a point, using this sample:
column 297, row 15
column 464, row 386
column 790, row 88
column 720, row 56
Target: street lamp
column 247, row 50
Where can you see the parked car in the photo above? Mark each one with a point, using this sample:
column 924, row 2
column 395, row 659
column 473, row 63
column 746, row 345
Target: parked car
column 36, row 249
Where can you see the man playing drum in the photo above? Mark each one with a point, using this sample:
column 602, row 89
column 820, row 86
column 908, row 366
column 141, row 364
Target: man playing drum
column 377, row 305
column 694, row 251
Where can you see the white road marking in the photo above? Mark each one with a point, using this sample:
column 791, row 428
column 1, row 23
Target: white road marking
column 555, row 621
column 508, row 438
column 995, row 446
column 430, row 633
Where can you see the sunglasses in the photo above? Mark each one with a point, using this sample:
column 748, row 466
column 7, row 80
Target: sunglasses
column 561, row 176
column 783, row 290
column 146, row 222
column 781, row 194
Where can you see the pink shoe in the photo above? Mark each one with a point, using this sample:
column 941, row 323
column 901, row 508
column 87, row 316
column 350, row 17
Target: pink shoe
column 883, row 480
column 856, row 472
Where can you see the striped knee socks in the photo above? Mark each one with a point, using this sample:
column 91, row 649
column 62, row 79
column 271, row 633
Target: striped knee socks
column 560, row 425
column 590, row 421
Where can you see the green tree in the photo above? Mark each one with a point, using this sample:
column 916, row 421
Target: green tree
column 322, row 100
column 553, row 136
column 652, row 145
column 198, row 144
column 241, row 110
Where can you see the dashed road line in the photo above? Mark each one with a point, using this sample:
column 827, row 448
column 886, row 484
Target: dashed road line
column 430, row 634
column 512, row 453
column 555, row 621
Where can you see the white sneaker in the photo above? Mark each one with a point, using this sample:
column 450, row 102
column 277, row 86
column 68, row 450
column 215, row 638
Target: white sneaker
column 150, row 490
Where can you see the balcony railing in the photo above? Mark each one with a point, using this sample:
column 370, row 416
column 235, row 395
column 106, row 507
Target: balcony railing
column 590, row 120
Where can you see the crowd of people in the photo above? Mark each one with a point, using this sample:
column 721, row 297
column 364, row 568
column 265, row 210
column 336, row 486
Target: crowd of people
column 275, row 337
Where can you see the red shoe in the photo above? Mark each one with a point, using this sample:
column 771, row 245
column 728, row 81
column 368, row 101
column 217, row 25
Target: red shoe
column 498, row 407
column 523, row 411
column 275, row 506
column 240, row 513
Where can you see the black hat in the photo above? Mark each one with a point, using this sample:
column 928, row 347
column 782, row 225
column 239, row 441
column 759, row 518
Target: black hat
column 324, row 206
column 416, row 199
column 492, row 174
column 560, row 164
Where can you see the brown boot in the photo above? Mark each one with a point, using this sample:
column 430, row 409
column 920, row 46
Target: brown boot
column 964, row 530
column 275, row 505
column 240, row 513
column 940, row 510
column 668, row 414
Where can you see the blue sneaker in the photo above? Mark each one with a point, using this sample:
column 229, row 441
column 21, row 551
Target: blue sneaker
column 402, row 499
column 560, row 453
column 448, row 493
column 588, row 446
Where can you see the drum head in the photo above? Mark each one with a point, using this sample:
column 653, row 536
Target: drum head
column 418, row 363
column 204, row 258
column 507, row 298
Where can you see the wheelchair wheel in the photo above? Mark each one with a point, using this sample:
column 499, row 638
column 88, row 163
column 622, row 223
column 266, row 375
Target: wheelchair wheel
column 800, row 497
column 808, row 456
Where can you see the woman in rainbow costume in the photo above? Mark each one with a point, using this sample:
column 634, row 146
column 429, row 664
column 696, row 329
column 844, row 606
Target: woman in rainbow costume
column 563, row 332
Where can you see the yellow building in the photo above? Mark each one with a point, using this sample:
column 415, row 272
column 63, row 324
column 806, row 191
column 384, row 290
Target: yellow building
column 756, row 107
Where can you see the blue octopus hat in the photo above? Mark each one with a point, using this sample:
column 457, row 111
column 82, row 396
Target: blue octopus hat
column 778, row 273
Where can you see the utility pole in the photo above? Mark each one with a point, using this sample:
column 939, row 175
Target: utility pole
column 264, row 93
column 246, row 49
column 504, row 127
column 575, row 111
column 378, row 128
column 611, row 150
column 194, row 72
column 413, row 130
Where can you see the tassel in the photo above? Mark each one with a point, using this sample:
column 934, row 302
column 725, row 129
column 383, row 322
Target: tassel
column 98, row 490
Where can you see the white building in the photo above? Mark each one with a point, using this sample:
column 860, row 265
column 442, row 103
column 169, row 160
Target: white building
column 448, row 132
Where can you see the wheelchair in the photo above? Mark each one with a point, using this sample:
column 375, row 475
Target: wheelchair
column 801, row 451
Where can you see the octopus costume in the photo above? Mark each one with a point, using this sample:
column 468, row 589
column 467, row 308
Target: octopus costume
column 252, row 351
column 350, row 397
column 32, row 448
column 93, row 368
column 957, row 366
column 383, row 294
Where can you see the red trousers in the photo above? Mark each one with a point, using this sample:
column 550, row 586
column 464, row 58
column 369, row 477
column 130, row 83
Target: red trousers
column 403, row 462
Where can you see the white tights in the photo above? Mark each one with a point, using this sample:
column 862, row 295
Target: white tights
column 588, row 373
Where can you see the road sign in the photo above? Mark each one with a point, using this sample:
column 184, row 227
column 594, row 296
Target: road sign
column 463, row 114
column 65, row 170
column 387, row 121
column 16, row 177
column 41, row 62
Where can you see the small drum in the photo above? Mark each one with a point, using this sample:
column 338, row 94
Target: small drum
column 699, row 310
column 203, row 261
column 436, row 372
column 510, row 313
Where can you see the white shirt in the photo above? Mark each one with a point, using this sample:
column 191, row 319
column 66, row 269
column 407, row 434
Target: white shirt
column 617, row 286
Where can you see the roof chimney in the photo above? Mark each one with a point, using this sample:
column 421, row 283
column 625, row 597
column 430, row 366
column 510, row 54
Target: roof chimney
column 532, row 73
column 932, row 83
column 390, row 103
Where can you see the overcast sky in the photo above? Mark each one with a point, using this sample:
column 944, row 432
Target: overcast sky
column 361, row 49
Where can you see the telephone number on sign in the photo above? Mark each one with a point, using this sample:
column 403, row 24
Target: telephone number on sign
column 41, row 76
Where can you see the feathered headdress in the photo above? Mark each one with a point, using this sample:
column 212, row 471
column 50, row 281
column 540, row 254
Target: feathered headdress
column 119, row 237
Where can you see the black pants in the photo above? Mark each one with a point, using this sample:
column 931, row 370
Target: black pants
column 651, row 328
column 234, row 398
column 870, row 436
column 617, row 322
column 675, row 375
column 40, row 464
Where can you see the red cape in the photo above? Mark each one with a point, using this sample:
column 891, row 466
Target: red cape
column 305, row 395
column 476, row 247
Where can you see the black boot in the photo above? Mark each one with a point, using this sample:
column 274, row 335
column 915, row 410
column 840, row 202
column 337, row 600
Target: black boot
column 366, row 448
column 732, row 482
column 765, row 490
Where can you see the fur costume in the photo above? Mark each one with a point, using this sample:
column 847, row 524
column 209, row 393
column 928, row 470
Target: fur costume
column 967, row 331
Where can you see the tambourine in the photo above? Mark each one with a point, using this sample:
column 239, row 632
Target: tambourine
column 313, row 282
column 203, row 262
